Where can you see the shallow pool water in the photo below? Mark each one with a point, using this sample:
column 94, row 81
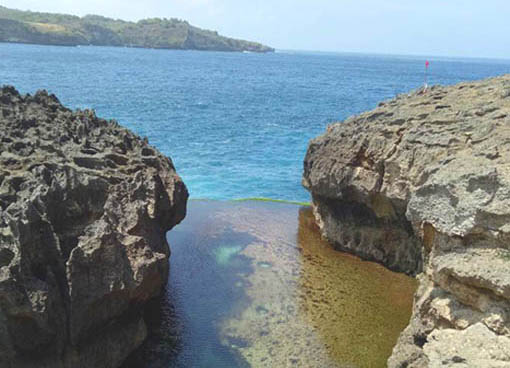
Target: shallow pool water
column 252, row 284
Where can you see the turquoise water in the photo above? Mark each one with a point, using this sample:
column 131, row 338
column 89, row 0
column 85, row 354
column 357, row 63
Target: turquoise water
column 236, row 125
column 253, row 284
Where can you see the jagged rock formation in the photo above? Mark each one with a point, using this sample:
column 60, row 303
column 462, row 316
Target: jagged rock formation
column 84, row 208
column 422, row 185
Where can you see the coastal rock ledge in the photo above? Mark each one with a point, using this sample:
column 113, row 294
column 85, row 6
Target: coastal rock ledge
column 84, row 208
column 421, row 184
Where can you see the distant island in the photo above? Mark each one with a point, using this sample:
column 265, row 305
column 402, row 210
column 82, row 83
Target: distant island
column 69, row 30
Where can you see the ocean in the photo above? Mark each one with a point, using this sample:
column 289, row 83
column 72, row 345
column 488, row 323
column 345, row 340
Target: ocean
column 252, row 284
column 236, row 125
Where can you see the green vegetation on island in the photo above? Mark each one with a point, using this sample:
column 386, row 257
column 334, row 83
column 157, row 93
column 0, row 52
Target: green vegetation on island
column 69, row 30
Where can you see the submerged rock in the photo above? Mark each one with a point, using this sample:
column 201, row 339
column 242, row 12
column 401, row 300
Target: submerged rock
column 422, row 185
column 84, row 208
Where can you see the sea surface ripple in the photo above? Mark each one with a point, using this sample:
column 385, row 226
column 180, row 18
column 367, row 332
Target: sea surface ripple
column 236, row 125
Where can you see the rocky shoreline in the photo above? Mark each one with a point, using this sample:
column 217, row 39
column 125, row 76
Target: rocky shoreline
column 421, row 184
column 84, row 208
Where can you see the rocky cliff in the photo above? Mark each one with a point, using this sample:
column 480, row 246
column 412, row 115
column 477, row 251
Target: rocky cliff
column 422, row 185
column 84, row 208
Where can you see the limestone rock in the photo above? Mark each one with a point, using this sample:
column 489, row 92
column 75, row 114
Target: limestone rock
column 475, row 346
column 84, row 208
column 422, row 185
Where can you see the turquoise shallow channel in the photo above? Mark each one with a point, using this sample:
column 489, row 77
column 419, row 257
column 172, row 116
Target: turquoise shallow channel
column 252, row 284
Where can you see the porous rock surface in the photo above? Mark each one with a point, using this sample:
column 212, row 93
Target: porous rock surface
column 422, row 185
column 84, row 208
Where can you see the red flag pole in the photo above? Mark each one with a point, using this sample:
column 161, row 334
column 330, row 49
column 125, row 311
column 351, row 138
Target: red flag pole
column 426, row 75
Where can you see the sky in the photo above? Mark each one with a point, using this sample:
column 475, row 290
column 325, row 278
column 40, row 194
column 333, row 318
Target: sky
column 471, row 28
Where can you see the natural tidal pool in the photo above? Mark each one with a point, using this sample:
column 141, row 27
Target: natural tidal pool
column 252, row 284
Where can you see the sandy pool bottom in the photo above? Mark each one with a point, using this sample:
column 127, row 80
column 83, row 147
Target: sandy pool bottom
column 253, row 284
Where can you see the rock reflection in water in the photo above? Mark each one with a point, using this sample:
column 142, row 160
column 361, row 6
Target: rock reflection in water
column 253, row 284
column 358, row 308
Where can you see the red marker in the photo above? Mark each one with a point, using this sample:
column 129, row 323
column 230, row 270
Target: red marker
column 426, row 76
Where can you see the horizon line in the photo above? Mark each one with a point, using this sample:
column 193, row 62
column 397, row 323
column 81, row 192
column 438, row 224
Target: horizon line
column 373, row 53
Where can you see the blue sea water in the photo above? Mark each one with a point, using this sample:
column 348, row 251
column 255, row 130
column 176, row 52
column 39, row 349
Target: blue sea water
column 236, row 125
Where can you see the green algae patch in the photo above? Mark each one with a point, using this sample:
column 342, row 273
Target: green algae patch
column 252, row 199
column 262, row 199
